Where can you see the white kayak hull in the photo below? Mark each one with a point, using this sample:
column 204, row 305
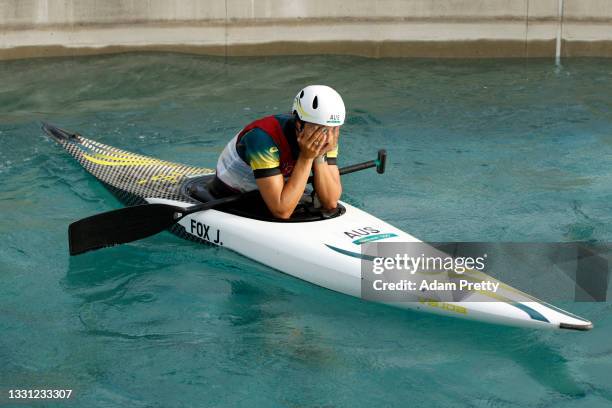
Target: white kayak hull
column 321, row 253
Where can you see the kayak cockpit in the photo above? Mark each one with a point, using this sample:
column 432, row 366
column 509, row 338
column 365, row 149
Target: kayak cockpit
column 252, row 205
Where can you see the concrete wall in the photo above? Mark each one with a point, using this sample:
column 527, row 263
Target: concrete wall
column 428, row 28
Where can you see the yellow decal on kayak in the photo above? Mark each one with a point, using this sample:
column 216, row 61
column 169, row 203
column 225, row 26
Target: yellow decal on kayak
column 443, row 305
column 124, row 160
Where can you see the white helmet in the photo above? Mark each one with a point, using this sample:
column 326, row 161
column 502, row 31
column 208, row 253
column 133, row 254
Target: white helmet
column 319, row 104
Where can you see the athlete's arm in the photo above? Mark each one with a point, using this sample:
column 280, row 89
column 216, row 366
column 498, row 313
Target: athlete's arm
column 326, row 174
column 327, row 184
column 282, row 197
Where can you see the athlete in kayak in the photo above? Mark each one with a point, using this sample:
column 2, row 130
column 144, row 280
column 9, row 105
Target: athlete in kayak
column 277, row 153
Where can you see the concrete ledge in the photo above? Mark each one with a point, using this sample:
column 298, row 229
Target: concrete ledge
column 386, row 28
column 421, row 49
column 387, row 49
column 587, row 49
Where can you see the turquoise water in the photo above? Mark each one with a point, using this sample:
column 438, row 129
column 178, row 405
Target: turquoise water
column 499, row 150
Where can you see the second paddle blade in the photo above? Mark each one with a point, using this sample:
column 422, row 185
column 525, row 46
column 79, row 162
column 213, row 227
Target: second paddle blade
column 120, row 226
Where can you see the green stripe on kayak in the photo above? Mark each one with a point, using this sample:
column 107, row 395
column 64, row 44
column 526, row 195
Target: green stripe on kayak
column 376, row 237
column 350, row 253
column 535, row 315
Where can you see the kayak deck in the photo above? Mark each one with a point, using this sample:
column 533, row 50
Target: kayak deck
column 131, row 177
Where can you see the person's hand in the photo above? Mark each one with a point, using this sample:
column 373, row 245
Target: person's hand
column 312, row 142
column 333, row 134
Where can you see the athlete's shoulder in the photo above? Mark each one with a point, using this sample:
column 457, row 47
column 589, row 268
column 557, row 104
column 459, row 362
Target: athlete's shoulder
column 260, row 152
column 257, row 136
column 283, row 118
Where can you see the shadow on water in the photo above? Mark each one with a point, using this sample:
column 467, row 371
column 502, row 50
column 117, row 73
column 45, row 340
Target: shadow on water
column 547, row 366
column 258, row 315
column 531, row 350
column 166, row 281
column 104, row 288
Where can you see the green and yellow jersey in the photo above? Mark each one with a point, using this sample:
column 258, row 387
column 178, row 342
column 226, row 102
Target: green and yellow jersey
column 256, row 153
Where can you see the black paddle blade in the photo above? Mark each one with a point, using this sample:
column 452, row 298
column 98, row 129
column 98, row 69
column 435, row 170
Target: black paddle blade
column 121, row 226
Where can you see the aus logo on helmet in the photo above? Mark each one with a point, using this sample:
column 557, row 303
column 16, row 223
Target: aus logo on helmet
column 334, row 118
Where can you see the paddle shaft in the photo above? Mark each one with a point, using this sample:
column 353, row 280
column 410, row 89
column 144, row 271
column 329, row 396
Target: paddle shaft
column 136, row 222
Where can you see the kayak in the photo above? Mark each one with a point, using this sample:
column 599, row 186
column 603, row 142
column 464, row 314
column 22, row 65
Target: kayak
column 322, row 248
